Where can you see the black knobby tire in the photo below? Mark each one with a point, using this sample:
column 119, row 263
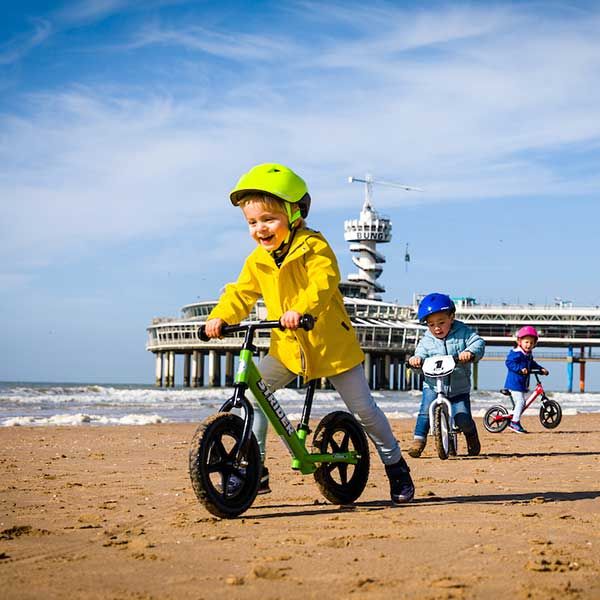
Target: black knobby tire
column 550, row 414
column 441, row 431
column 224, row 487
column 490, row 421
column 341, row 483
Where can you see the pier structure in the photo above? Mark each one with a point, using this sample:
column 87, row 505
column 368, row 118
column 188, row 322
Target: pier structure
column 573, row 329
column 387, row 334
column 384, row 331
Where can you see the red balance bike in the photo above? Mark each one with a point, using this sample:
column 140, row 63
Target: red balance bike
column 497, row 418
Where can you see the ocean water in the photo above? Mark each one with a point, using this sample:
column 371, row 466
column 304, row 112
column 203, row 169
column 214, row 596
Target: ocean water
column 70, row 404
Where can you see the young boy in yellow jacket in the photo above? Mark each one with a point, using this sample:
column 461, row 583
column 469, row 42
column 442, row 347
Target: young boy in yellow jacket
column 295, row 271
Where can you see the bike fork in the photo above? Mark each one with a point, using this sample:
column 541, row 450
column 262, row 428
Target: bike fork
column 440, row 399
column 239, row 400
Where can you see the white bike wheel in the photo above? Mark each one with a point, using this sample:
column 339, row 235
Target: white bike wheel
column 441, row 431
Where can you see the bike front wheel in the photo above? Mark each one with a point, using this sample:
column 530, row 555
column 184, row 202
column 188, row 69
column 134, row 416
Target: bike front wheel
column 225, row 485
column 550, row 414
column 495, row 419
column 441, row 431
column 341, row 483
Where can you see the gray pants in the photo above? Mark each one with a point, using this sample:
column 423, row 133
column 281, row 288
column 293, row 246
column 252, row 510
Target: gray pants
column 519, row 400
column 352, row 386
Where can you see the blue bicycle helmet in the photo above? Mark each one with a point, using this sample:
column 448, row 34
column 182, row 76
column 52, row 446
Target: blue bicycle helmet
column 434, row 303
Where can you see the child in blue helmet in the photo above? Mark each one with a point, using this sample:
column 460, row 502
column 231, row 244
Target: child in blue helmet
column 446, row 335
column 519, row 363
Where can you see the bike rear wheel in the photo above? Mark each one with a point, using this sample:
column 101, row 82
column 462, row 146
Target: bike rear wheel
column 550, row 413
column 341, row 483
column 441, row 431
column 494, row 420
column 223, row 485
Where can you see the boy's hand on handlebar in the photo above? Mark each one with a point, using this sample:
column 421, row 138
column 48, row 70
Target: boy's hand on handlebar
column 415, row 361
column 524, row 371
column 465, row 356
column 290, row 319
column 212, row 327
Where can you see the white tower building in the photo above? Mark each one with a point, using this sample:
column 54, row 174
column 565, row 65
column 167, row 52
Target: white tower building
column 364, row 234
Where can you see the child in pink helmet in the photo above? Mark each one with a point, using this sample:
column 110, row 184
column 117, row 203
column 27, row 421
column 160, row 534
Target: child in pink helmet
column 519, row 363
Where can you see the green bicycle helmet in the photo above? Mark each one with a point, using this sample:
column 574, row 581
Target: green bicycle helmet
column 278, row 181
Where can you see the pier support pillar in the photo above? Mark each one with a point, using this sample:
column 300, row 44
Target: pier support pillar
column 200, row 369
column 582, row 371
column 187, row 359
column 214, row 369
column 229, row 369
column 395, row 372
column 194, row 368
column 159, row 368
column 570, row 369
column 387, row 361
column 369, row 369
column 171, row 369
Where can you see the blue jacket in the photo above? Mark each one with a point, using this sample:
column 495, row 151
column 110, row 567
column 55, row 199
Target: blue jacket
column 515, row 361
column 460, row 338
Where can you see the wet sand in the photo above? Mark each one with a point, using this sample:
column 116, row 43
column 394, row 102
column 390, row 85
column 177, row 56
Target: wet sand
column 109, row 512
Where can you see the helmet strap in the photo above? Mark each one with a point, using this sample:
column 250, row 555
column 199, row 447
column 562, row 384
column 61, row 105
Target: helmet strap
column 292, row 216
column 280, row 253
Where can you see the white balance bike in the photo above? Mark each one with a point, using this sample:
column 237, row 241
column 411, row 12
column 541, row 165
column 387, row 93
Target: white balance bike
column 441, row 421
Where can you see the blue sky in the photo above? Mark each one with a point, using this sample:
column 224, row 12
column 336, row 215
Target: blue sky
column 124, row 124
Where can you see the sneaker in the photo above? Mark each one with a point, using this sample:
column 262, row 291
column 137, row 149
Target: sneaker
column 263, row 486
column 516, row 427
column 417, row 447
column 234, row 483
column 473, row 444
column 402, row 488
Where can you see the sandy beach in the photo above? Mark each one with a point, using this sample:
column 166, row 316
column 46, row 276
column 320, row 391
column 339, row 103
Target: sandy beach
column 109, row 512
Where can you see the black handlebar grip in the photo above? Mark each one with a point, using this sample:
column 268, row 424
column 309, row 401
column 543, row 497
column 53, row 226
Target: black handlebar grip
column 201, row 333
column 307, row 322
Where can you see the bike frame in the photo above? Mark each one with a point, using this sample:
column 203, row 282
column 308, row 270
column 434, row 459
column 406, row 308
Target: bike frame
column 440, row 398
column 535, row 394
column 443, row 374
column 248, row 377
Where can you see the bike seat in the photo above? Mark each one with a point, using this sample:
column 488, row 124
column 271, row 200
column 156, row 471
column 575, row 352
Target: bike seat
column 505, row 392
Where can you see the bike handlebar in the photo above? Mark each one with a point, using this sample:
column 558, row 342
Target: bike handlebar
column 454, row 356
column 307, row 322
column 536, row 373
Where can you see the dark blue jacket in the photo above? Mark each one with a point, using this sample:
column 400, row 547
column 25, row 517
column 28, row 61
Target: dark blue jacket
column 515, row 361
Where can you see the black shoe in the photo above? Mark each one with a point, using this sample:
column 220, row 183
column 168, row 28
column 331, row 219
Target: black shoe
column 402, row 488
column 232, row 486
column 263, row 486
column 473, row 445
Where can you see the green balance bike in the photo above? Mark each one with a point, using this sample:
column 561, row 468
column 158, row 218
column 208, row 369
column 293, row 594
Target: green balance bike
column 224, row 462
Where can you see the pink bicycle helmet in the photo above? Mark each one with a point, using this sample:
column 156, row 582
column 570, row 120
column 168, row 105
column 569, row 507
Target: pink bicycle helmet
column 527, row 330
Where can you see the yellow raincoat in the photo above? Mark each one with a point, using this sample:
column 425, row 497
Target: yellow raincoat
column 306, row 282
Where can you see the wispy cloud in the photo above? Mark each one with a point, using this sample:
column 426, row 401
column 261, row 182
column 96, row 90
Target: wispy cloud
column 18, row 46
column 236, row 45
column 500, row 107
column 83, row 12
